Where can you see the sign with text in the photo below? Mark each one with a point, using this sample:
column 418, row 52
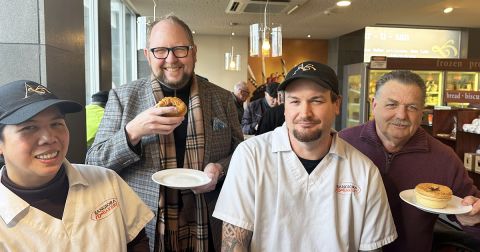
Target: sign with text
column 411, row 43
column 463, row 96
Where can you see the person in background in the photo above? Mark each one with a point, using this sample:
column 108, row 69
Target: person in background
column 273, row 117
column 240, row 95
column 258, row 93
column 94, row 113
column 136, row 139
column 406, row 155
column 48, row 204
column 255, row 109
column 300, row 187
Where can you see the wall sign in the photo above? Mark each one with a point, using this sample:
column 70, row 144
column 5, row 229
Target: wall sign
column 463, row 96
column 411, row 43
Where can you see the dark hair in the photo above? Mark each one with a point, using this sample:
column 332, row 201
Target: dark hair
column 2, row 126
column 173, row 19
column 405, row 77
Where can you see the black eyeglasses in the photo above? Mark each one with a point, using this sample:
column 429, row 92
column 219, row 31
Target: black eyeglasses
column 178, row 51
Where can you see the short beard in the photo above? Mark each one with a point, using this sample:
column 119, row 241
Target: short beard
column 173, row 85
column 307, row 137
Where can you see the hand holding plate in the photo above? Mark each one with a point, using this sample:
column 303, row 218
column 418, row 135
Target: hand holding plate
column 473, row 217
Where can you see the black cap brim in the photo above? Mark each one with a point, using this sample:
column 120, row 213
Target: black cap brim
column 27, row 112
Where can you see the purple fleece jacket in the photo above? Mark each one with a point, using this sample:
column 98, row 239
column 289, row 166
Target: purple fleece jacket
column 422, row 159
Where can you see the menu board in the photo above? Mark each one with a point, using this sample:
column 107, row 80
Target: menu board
column 411, row 43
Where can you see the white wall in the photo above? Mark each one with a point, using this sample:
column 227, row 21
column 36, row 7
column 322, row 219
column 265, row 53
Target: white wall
column 211, row 51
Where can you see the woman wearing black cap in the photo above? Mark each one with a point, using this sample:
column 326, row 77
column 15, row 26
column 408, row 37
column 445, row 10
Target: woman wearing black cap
column 48, row 203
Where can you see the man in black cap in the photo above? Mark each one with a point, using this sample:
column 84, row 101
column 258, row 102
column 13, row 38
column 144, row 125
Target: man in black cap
column 304, row 169
column 257, row 108
column 94, row 114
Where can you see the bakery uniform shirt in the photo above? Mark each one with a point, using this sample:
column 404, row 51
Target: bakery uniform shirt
column 340, row 206
column 102, row 213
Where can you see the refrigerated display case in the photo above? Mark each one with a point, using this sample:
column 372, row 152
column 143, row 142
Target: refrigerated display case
column 439, row 75
column 361, row 85
column 461, row 81
column 353, row 93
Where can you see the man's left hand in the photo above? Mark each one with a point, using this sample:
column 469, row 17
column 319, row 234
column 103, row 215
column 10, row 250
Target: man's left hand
column 213, row 171
column 473, row 217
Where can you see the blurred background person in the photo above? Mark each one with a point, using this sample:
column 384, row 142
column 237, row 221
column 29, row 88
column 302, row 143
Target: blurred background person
column 257, row 108
column 94, row 113
column 240, row 95
column 273, row 117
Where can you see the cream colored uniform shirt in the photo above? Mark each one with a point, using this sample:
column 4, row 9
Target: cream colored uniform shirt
column 102, row 213
column 340, row 206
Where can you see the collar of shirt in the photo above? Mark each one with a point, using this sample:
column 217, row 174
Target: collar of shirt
column 11, row 205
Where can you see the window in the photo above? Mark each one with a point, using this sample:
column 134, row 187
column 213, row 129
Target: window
column 92, row 77
column 124, row 54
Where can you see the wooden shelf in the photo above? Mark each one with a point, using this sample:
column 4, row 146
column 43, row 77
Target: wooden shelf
column 443, row 124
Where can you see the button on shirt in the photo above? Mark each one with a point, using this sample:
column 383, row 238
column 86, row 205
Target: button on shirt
column 102, row 213
column 340, row 206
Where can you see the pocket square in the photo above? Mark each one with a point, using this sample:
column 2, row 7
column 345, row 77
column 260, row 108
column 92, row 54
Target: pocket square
column 218, row 124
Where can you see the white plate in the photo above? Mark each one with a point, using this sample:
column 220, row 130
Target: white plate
column 181, row 178
column 454, row 206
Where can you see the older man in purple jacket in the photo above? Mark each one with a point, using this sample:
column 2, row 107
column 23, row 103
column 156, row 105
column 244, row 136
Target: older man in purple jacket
column 407, row 155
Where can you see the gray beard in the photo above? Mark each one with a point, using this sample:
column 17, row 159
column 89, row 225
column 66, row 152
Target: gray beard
column 305, row 138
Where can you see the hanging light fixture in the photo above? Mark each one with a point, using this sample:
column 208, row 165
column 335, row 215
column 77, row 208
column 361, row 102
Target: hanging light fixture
column 232, row 60
column 264, row 40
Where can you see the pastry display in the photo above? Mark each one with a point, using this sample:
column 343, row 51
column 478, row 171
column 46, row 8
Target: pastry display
column 433, row 195
column 175, row 102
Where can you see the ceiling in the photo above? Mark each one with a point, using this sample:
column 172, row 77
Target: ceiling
column 319, row 18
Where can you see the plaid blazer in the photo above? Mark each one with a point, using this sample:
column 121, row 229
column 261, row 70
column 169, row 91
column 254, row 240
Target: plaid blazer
column 110, row 148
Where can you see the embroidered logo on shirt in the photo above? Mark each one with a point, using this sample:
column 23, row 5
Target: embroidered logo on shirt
column 104, row 209
column 40, row 90
column 347, row 187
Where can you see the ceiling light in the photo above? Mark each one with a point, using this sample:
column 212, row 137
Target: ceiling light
column 232, row 60
column 193, row 32
column 309, row 36
column 447, row 10
column 344, row 3
column 265, row 41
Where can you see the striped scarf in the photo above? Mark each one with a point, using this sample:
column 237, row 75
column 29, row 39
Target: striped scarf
column 183, row 217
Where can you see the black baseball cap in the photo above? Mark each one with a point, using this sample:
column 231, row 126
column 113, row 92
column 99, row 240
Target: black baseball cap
column 23, row 99
column 271, row 88
column 315, row 71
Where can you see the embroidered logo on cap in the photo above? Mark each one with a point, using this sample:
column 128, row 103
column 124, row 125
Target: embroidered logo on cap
column 40, row 90
column 104, row 209
column 347, row 187
column 307, row 67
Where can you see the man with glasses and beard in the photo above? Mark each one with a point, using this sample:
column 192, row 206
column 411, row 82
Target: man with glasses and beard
column 300, row 187
column 137, row 139
column 407, row 155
